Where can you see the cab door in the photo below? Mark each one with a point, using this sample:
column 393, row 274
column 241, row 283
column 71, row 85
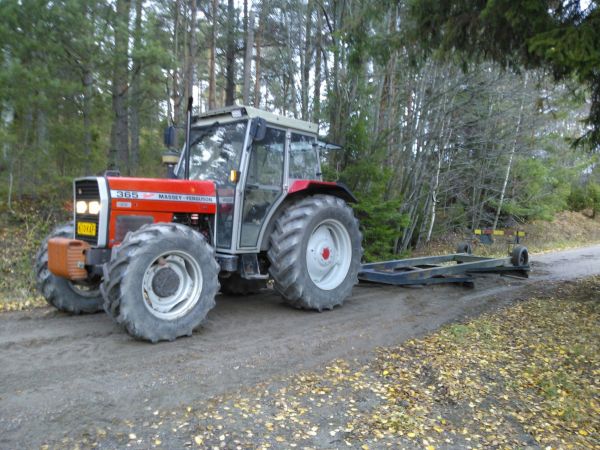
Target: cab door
column 263, row 184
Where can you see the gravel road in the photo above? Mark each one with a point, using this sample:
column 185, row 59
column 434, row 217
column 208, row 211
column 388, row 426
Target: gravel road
column 59, row 373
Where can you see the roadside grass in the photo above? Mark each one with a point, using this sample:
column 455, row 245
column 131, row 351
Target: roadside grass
column 21, row 232
column 526, row 376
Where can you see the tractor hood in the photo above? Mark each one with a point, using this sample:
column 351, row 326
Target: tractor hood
column 158, row 195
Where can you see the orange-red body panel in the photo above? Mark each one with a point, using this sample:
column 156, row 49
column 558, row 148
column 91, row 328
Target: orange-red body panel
column 311, row 187
column 188, row 196
column 159, row 198
column 301, row 185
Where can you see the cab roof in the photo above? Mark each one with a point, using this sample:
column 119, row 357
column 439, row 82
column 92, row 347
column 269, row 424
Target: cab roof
column 240, row 111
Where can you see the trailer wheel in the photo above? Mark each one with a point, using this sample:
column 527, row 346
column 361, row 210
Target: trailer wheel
column 519, row 256
column 161, row 282
column 236, row 285
column 63, row 294
column 315, row 252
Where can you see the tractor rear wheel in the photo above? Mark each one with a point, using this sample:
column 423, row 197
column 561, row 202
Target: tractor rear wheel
column 236, row 285
column 63, row 294
column 315, row 253
column 161, row 282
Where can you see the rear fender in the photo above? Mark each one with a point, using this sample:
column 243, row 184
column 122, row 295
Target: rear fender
column 304, row 188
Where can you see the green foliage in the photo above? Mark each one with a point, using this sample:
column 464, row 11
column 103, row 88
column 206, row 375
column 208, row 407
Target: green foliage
column 540, row 190
column 55, row 67
column 381, row 221
column 410, row 124
column 561, row 36
column 584, row 197
column 378, row 213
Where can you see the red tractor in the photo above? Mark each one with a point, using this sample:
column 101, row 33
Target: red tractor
column 244, row 204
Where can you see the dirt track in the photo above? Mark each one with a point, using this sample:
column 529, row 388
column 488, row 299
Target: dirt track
column 59, row 373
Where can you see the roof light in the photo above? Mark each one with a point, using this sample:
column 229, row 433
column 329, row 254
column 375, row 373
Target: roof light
column 236, row 113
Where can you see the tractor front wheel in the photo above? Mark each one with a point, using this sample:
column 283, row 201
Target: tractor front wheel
column 65, row 295
column 315, row 253
column 161, row 282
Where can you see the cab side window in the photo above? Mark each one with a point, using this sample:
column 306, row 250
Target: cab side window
column 304, row 163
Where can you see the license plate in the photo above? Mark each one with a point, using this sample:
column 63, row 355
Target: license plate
column 86, row 228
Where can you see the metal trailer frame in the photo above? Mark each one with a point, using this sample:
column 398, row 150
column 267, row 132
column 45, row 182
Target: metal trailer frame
column 453, row 268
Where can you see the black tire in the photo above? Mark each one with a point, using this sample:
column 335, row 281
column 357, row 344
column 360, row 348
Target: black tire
column 288, row 250
column 148, row 250
column 59, row 292
column 236, row 285
column 519, row 256
column 464, row 247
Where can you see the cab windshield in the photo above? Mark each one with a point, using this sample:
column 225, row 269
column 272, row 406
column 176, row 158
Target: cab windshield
column 215, row 151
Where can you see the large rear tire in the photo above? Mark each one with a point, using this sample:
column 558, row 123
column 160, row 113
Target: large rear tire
column 63, row 294
column 315, row 253
column 161, row 282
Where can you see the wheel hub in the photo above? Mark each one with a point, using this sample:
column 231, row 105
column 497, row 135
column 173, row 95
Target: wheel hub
column 172, row 285
column 325, row 254
column 328, row 254
column 165, row 282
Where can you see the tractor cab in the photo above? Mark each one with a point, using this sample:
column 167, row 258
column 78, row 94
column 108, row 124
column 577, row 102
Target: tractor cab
column 253, row 157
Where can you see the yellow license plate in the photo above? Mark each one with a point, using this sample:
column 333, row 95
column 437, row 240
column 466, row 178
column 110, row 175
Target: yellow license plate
column 86, row 228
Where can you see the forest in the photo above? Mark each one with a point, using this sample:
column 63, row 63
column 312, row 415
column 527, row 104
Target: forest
column 452, row 115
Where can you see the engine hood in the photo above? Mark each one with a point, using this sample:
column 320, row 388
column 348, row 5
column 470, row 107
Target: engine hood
column 166, row 195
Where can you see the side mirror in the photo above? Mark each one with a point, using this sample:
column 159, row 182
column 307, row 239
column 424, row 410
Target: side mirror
column 258, row 129
column 169, row 136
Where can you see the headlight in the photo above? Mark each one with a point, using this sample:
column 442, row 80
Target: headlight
column 94, row 207
column 81, row 207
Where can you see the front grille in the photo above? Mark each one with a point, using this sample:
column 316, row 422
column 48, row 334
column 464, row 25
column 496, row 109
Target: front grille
column 87, row 190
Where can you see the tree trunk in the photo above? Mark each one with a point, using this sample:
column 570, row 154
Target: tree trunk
column 257, row 58
column 316, row 113
column 88, row 91
column 175, row 86
column 119, row 152
column 306, row 60
column 248, row 59
column 434, row 191
column 230, row 55
column 191, row 51
column 212, row 88
column 511, row 156
column 136, row 96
